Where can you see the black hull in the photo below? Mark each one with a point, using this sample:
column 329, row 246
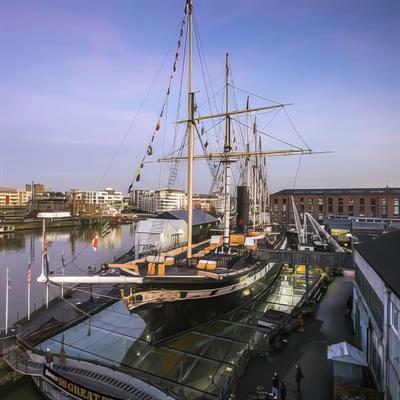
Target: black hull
column 167, row 319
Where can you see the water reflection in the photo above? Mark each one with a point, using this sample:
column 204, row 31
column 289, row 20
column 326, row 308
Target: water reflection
column 18, row 248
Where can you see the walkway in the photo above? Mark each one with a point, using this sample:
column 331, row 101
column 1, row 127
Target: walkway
column 307, row 348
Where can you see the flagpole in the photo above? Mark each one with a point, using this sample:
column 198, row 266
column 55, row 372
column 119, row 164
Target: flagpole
column 7, row 289
column 29, row 301
column 63, row 272
column 29, row 290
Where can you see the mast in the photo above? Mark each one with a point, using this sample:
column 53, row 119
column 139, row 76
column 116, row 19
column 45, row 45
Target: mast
column 190, row 127
column 227, row 162
column 255, row 164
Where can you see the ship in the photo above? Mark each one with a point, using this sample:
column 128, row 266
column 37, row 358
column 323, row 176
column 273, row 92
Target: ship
column 177, row 290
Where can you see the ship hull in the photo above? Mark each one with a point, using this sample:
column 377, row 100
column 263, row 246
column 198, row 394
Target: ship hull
column 165, row 319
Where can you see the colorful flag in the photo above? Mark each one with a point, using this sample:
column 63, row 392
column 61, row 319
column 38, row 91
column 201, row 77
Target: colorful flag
column 29, row 274
column 94, row 242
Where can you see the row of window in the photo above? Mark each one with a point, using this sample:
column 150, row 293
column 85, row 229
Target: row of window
column 340, row 206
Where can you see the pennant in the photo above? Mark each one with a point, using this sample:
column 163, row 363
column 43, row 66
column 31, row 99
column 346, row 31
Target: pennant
column 130, row 187
column 158, row 125
column 149, row 150
column 206, row 144
column 95, row 242
column 29, row 274
column 138, row 177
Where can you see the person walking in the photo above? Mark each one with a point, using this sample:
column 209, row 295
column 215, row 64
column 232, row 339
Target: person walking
column 49, row 358
column 299, row 376
column 275, row 385
column 282, row 390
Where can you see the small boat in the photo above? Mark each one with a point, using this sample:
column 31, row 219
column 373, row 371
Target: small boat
column 5, row 228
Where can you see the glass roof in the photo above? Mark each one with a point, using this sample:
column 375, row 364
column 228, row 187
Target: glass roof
column 197, row 364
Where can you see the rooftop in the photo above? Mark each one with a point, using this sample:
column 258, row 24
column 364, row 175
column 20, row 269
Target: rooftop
column 363, row 191
column 382, row 254
column 199, row 216
column 9, row 190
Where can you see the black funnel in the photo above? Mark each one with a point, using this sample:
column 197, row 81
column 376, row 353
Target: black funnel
column 242, row 218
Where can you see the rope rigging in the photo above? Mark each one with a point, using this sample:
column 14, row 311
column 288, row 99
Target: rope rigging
column 149, row 150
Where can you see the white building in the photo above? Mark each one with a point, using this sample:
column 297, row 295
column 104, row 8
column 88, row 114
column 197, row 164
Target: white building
column 156, row 201
column 13, row 197
column 376, row 309
column 107, row 199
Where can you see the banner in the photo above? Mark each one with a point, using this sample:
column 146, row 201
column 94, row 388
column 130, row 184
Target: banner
column 78, row 391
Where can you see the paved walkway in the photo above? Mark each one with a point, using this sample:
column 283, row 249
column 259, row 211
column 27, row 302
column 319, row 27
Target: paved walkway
column 307, row 348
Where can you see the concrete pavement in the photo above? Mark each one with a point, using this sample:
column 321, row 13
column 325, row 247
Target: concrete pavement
column 307, row 348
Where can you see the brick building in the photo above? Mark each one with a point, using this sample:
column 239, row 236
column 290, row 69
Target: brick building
column 363, row 202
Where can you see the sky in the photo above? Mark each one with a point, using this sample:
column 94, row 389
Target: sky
column 73, row 75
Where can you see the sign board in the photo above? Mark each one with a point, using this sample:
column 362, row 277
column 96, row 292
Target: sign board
column 79, row 391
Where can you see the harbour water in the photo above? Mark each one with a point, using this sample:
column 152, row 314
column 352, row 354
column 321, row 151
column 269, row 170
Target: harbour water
column 74, row 243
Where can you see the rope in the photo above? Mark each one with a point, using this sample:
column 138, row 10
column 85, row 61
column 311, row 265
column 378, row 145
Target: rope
column 97, row 294
column 270, row 136
column 295, row 129
column 256, row 95
column 297, row 171
column 134, row 119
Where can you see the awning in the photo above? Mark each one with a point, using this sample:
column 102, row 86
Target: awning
column 346, row 353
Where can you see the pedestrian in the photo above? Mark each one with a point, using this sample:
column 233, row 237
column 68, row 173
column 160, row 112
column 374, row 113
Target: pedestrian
column 282, row 390
column 299, row 376
column 49, row 358
column 349, row 307
column 275, row 385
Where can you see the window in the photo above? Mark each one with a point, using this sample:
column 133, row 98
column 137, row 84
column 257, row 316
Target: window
column 340, row 205
column 284, row 205
column 396, row 206
column 311, row 204
column 275, row 206
column 330, row 204
column 373, row 207
column 351, row 211
column 394, row 317
column 362, row 206
column 384, row 208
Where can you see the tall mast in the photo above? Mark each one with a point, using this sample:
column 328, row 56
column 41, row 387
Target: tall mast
column 227, row 149
column 255, row 165
column 190, row 127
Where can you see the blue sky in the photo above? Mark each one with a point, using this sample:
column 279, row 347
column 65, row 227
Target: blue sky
column 73, row 74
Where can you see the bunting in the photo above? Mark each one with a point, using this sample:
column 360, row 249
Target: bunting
column 149, row 150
